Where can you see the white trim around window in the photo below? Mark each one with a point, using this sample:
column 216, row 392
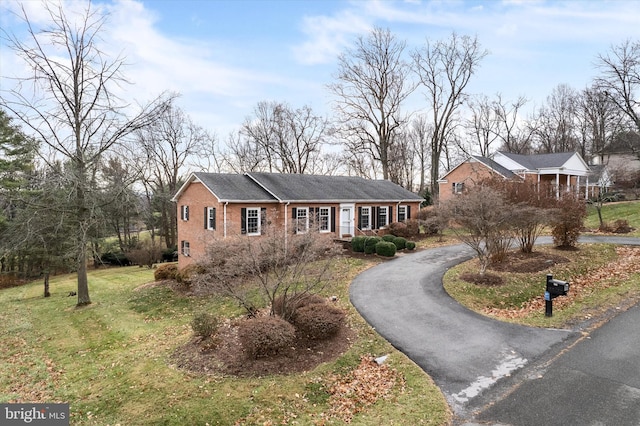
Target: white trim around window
column 324, row 219
column 302, row 220
column 254, row 221
column 402, row 213
column 365, row 218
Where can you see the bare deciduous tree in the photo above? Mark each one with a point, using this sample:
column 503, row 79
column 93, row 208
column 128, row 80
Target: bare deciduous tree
column 70, row 104
column 280, row 139
column 514, row 134
column 620, row 78
column 482, row 220
column 444, row 69
column 277, row 265
column 169, row 144
column 372, row 84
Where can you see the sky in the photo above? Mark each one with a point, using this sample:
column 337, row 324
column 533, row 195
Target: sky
column 223, row 57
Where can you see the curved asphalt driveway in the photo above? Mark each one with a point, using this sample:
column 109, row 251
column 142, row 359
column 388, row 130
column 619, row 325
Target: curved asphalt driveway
column 465, row 353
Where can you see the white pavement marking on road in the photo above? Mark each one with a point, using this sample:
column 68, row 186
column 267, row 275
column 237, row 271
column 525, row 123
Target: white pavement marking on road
column 508, row 365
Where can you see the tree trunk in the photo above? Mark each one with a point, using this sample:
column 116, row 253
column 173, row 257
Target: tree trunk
column 46, row 285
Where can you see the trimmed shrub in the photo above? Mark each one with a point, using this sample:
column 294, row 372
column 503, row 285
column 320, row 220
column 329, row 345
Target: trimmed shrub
column 357, row 244
column 204, row 325
column 400, row 242
column 408, row 228
column 265, row 336
column 388, row 238
column 411, row 245
column 319, row 321
column 185, row 275
column 386, row 248
column 165, row 272
column 370, row 244
column 286, row 309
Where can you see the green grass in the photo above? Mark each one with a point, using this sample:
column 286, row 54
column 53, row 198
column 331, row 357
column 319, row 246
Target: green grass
column 111, row 360
column 626, row 210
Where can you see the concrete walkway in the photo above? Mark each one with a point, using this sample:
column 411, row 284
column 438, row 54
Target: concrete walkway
column 465, row 353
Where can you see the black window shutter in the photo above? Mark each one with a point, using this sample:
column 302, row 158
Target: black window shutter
column 206, row 218
column 359, row 217
column 374, row 217
column 294, row 213
column 213, row 222
column 390, row 212
column 243, row 220
column 408, row 212
column 333, row 219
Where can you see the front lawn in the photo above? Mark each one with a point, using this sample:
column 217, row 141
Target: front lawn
column 112, row 361
column 624, row 210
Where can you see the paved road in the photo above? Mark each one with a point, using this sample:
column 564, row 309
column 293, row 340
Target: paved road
column 597, row 382
column 466, row 354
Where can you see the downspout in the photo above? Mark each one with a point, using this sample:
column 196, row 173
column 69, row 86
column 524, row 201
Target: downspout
column 286, row 226
column 224, row 214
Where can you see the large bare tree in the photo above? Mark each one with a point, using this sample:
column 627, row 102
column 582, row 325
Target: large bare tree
column 373, row 81
column 69, row 102
column 170, row 143
column 444, row 68
column 278, row 138
column 620, row 78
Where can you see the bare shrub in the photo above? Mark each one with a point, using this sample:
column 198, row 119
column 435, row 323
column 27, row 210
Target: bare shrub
column 145, row 254
column 266, row 267
column 285, row 306
column 568, row 221
column 407, row 229
column 483, row 223
column 205, row 325
column 319, row 321
column 265, row 336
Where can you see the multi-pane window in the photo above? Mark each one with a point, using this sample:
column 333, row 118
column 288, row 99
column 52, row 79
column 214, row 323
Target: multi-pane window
column 365, row 218
column 253, row 221
column 458, row 187
column 324, row 219
column 383, row 216
column 185, row 248
column 302, row 219
column 402, row 213
column 184, row 212
column 210, row 218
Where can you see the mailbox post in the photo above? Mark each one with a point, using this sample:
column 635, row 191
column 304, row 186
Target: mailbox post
column 554, row 289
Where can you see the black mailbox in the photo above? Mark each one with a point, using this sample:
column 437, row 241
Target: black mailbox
column 556, row 287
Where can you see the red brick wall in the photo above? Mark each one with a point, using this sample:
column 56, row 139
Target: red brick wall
column 197, row 197
column 468, row 173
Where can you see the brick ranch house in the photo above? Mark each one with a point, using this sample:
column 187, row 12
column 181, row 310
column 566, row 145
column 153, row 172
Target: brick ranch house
column 564, row 171
column 219, row 205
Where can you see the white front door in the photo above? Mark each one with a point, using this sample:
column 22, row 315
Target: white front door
column 347, row 225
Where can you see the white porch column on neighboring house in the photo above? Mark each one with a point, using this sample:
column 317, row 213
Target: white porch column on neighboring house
column 558, row 185
column 568, row 183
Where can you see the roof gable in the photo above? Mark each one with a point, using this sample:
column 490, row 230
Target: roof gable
column 536, row 163
column 488, row 163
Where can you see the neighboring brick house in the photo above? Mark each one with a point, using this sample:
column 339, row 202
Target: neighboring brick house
column 218, row 205
column 565, row 171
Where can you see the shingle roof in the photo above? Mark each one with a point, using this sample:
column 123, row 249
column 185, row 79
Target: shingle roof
column 299, row 187
column 540, row 161
column 495, row 166
column 234, row 187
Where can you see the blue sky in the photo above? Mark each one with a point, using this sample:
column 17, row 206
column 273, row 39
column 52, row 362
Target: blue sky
column 224, row 57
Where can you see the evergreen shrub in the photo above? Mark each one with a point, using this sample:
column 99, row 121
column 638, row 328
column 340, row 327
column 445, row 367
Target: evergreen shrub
column 357, row 244
column 386, row 248
column 400, row 242
column 370, row 244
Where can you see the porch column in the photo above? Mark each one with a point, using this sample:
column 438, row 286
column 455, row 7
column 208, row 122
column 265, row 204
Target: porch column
column 558, row 185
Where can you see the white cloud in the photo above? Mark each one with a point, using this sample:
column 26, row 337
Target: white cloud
column 328, row 36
